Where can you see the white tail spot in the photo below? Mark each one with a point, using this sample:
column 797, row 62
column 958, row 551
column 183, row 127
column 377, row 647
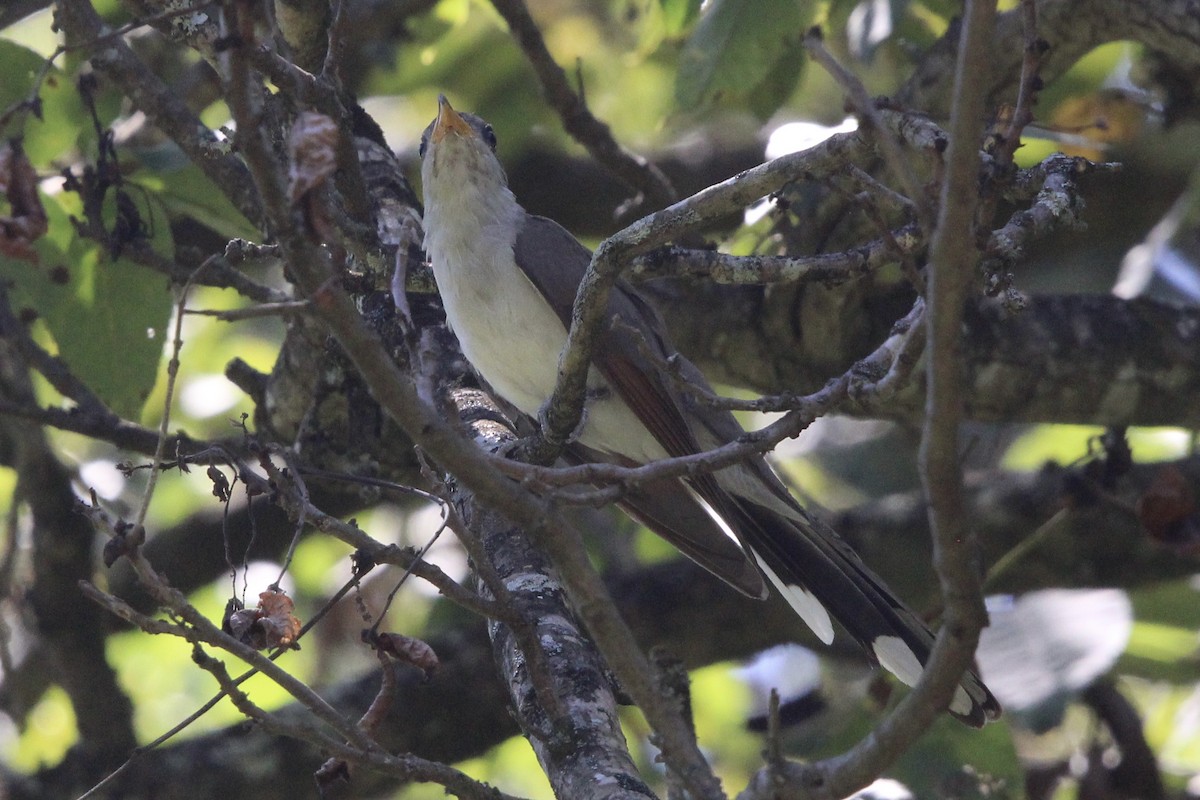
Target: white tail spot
column 898, row 658
column 804, row 603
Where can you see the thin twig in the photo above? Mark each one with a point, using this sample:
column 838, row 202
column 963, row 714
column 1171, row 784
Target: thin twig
column 253, row 312
column 410, row 570
column 196, row 628
column 577, row 119
column 101, row 427
column 113, row 604
column 406, row 766
column 806, row 409
column 339, row 38
column 50, row 367
column 168, row 401
column 868, row 113
column 1030, row 85
column 952, row 261
column 906, row 344
column 829, row 269
column 883, row 195
column 293, row 480
column 216, row 271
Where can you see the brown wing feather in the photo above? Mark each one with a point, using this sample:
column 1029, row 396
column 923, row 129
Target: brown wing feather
column 668, row 508
column 671, row 510
column 543, row 241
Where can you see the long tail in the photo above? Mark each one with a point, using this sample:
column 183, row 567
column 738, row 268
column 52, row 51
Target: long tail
column 819, row 575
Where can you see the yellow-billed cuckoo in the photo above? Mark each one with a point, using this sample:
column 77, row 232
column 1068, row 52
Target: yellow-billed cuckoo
column 508, row 281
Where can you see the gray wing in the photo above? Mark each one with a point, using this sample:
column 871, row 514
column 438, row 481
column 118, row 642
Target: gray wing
column 617, row 354
column 669, row 508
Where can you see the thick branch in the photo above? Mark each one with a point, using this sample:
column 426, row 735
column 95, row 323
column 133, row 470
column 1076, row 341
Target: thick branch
column 1072, row 28
column 579, row 737
column 1085, row 359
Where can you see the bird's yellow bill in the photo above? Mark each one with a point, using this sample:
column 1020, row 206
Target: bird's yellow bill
column 448, row 121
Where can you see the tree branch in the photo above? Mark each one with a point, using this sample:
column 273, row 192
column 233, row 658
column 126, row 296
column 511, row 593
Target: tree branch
column 952, row 259
column 578, row 120
column 1072, row 28
column 561, row 695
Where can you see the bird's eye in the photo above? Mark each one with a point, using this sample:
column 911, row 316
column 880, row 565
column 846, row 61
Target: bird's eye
column 489, row 136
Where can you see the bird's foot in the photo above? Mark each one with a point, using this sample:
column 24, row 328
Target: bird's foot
column 544, row 423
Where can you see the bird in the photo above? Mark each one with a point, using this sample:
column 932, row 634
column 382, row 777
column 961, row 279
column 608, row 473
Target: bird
column 508, row 280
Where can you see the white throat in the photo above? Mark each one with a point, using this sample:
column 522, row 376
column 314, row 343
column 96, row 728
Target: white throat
column 469, row 213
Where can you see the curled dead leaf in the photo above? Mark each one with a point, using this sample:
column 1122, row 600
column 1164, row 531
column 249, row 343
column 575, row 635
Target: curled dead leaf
column 126, row 538
column 312, row 153
column 221, row 489
column 333, row 771
column 409, row 650
column 269, row 626
column 1167, row 510
column 27, row 221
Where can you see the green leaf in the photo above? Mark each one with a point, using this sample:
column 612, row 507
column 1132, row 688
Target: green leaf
column 774, row 90
column 679, row 14
column 106, row 316
column 34, row 287
column 21, row 67
column 743, row 52
column 110, row 330
column 187, row 192
column 49, row 138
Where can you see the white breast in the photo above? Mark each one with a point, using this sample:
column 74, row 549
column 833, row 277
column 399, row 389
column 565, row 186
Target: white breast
column 507, row 330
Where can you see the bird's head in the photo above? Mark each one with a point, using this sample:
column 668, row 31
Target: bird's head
column 458, row 154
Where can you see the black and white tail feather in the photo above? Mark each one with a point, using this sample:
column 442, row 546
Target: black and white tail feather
column 819, row 575
column 813, row 568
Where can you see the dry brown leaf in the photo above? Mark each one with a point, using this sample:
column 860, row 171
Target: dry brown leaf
column 312, row 153
column 333, row 771
column 27, row 221
column 269, row 626
column 1167, row 511
column 410, row 650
